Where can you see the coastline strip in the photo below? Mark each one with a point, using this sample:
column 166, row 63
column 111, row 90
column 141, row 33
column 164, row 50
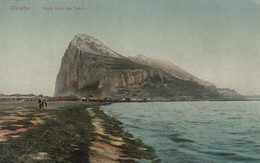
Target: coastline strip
column 112, row 143
column 106, row 148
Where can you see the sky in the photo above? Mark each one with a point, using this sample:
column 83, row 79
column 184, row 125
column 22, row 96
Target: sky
column 215, row 40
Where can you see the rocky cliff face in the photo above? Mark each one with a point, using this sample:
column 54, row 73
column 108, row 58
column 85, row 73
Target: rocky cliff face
column 229, row 94
column 88, row 67
column 169, row 68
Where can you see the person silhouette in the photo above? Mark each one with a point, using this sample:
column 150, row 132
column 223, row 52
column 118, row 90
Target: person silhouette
column 40, row 102
column 45, row 103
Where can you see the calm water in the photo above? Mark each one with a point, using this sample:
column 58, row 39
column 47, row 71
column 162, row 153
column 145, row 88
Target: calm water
column 195, row 131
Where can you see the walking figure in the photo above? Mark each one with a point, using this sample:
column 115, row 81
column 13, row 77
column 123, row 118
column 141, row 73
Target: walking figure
column 45, row 103
column 40, row 102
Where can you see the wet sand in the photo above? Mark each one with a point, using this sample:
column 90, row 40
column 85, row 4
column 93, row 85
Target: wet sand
column 66, row 132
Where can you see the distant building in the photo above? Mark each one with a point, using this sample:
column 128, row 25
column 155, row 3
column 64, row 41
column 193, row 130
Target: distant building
column 18, row 97
column 68, row 98
column 94, row 99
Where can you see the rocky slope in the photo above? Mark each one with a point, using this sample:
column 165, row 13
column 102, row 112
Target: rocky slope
column 169, row 68
column 230, row 94
column 88, row 67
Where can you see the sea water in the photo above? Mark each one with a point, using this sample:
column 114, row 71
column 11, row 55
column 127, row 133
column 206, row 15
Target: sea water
column 195, row 131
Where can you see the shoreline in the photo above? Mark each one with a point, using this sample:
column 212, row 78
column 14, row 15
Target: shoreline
column 113, row 143
column 67, row 132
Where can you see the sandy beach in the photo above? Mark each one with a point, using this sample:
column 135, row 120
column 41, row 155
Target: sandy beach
column 66, row 132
